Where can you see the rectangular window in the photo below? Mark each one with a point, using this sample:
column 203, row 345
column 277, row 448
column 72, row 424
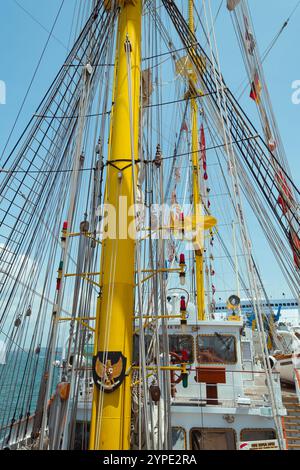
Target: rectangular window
column 216, row 349
column 82, row 434
column 183, row 346
column 257, row 435
column 178, row 439
column 136, row 348
column 213, row 439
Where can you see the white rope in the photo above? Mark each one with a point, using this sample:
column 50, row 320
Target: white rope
column 252, row 277
column 71, row 211
column 138, row 254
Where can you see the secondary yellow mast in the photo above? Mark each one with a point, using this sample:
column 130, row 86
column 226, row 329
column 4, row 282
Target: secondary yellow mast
column 111, row 412
column 196, row 183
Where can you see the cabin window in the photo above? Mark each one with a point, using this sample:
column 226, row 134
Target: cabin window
column 213, row 439
column 136, row 347
column 183, row 346
column 216, row 349
column 257, row 435
column 178, row 439
column 82, row 433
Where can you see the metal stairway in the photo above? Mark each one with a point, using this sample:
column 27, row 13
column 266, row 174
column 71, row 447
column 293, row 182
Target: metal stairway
column 292, row 421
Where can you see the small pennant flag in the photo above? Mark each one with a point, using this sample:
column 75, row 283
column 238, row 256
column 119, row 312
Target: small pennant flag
column 256, row 89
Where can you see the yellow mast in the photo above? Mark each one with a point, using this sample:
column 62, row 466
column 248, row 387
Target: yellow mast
column 196, row 183
column 111, row 412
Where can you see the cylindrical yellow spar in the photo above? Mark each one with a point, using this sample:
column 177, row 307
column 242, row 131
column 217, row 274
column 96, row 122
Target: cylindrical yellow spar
column 198, row 217
column 111, row 412
column 196, row 188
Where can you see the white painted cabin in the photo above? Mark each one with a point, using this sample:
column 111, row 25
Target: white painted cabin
column 236, row 406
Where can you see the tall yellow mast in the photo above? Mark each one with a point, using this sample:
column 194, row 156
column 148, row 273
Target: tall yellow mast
column 196, row 182
column 111, row 412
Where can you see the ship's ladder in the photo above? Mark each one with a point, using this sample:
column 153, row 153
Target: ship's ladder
column 291, row 422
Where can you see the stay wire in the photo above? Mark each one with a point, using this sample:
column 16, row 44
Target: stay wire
column 33, row 78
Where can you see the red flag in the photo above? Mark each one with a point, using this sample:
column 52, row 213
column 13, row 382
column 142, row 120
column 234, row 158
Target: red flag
column 286, row 196
column 256, row 88
column 203, row 151
column 295, row 245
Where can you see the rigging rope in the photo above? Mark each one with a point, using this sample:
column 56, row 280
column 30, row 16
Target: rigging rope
column 32, row 79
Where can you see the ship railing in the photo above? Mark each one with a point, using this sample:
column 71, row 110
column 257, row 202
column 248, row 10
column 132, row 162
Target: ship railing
column 242, row 388
column 13, row 435
column 297, row 382
column 246, row 389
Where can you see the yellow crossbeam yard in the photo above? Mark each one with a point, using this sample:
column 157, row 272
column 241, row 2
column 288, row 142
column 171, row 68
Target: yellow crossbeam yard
column 79, row 320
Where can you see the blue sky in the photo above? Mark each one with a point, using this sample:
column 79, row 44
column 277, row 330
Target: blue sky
column 22, row 41
column 282, row 67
